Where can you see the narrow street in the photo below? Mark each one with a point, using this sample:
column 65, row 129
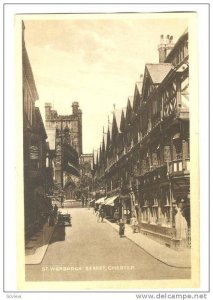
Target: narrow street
column 91, row 250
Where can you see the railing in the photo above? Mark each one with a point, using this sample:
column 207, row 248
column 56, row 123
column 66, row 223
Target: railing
column 156, row 172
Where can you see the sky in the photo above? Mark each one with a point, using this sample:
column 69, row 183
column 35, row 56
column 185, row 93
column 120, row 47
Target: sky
column 94, row 60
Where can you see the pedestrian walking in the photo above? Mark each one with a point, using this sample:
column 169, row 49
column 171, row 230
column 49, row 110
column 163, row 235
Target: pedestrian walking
column 51, row 218
column 55, row 211
column 89, row 203
column 98, row 215
column 86, row 201
column 134, row 224
column 102, row 214
column 121, row 228
column 82, row 200
column 96, row 210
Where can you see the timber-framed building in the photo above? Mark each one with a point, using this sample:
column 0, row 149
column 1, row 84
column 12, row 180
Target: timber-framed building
column 144, row 163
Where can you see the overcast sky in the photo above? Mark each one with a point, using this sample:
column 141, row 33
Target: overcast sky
column 95, row 61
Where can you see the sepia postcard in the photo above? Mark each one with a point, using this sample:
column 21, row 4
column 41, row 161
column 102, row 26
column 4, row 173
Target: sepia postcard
column 108, row 187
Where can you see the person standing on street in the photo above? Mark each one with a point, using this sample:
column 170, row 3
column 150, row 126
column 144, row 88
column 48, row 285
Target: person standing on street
column 116, row 216
column 55, row 211
column 51, row 217
column 134, row 224
column 102, row 214
column 82, row 200
column 121, row 228
column 98, row 215
column 86, row 201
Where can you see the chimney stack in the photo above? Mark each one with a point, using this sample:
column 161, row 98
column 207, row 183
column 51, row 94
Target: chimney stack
column 162, row 49
column 165, row 47
column 169, row 45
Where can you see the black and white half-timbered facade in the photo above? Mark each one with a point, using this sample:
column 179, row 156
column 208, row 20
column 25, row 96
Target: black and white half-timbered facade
column 143, row 164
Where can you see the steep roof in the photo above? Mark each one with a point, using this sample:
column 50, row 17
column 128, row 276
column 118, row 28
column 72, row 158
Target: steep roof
column 27, row 70
column 131, row 99
column 95, row 155
column 124, row 111
column 123, row 118
column 39, row 122
column 110, row 129
column 158, row 72
column 118, row 114
column 105, row 139
column 182, row 37
column 139, row 85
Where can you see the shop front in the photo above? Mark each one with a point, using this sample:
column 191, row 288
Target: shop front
column 126, row 207
column 181, row 214
column 156, row 213
column 111, row 210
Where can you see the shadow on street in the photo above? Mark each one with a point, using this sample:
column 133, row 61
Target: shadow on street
column 58, row 235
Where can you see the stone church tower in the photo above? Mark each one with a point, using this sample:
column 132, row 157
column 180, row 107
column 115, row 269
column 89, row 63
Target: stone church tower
column 70, row 124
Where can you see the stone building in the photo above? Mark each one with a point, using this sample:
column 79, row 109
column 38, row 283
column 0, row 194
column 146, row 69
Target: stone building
column 35, row 150
column 65, row 135
column 72, row 123
column 146, row 165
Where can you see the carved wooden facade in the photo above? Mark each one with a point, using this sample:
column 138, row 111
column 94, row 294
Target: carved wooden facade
column 148, row 155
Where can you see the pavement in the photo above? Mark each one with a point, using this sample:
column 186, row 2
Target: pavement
column 37, row 246
column 168, row 256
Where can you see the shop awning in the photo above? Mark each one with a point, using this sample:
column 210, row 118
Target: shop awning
column 100, row 200
column 72, row 169
column 110, row 201
column 176, row 136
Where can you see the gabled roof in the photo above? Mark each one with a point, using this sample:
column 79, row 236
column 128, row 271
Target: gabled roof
column 95, row 156
column 158, row 72
column 105, row 139
column 123, row 118
column 40, row 123
column 137, row 94
column 182, row 37
column 118, row 114
column 124, row 111
column 27, row 70
column 130, row 100
column 139, row 85
column 110, row 129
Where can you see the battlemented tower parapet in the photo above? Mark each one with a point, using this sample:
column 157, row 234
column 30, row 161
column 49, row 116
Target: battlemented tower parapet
column 70, row 124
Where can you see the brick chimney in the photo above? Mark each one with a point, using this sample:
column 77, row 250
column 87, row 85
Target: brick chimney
column 162, row 49
column 169, row 44
column 165, row 46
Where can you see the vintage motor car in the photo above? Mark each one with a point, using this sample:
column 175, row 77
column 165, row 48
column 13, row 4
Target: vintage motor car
column 64, row 219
